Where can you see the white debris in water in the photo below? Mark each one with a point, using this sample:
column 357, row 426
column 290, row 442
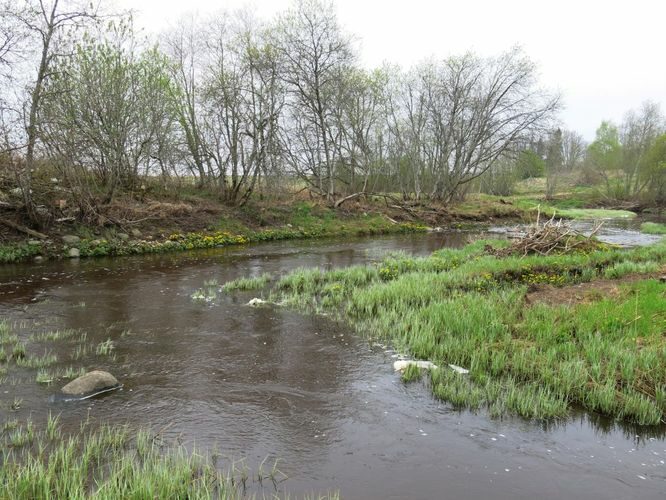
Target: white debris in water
column 256, row 302
column 402, row 365
column 459, row 369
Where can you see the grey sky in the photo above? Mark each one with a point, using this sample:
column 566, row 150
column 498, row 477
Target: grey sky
column 605, row 57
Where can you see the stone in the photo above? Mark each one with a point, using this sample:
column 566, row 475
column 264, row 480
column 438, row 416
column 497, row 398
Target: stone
column 136, row 233
column 256, row 302
column 34, row 242
column 38, row 259
column 96, row 243
column 91, row 382
column 402, row 365
column 123, row 236
column 459, row 369
column 74, row 253
column 70, row 239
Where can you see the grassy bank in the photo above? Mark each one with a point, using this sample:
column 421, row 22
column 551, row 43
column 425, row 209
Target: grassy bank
column 605, row 352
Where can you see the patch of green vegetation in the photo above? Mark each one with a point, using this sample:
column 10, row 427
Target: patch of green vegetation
column 45, row 376
column 55, row 335
column 206, row 294
column 18, row 351
column 113, row 462
column 621, row 269
column 80, row 351
column 104, row 348
column 36, row 361
column 411, row 373
column 466, row 307
column 591, row 213
column 653, row 228
column 246, row 284
column 569, row 209
column 18, row 252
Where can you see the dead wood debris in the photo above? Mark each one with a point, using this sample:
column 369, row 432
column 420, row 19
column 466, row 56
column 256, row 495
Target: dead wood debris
column 550, row 237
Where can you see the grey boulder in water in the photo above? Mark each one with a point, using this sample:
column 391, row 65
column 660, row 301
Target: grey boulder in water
column 91, row 383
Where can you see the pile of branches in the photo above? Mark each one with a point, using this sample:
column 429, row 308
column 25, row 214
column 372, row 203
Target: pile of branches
column 550, row 237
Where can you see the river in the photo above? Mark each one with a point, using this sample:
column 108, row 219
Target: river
column 269, row 383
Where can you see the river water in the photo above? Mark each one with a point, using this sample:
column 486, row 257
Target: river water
column 268, row 383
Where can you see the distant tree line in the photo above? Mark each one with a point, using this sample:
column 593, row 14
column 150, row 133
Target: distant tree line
column 239, row 105
column 628, row 160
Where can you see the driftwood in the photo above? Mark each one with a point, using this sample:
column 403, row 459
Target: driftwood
column 338, row 203
column 552, row 236
column 23, row 229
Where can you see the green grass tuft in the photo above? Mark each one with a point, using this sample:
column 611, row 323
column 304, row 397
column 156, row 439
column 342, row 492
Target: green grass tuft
column 468, row 308
column 653, row 228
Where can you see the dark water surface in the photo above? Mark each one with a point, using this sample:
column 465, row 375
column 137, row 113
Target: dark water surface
column 268, row 382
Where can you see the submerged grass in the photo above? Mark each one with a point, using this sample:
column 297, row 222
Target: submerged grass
column 247, row 284
column 114, row 462
column 466, row 307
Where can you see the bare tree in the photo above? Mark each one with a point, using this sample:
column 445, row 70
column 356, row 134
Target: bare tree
column 243, row 103
column 45, row 23
column 554, row 161
column 314, row 53
column 573, row 149
column 11, row 34
column 408, row 128
column 185, row 46
column 458, row 117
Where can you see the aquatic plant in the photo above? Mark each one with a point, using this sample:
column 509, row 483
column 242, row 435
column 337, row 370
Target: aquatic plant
column 114, row 462
column 467, row 307
column 55, row 335
column 37, row 361
column 246, row 284
column 204, row 295
column 104, row 348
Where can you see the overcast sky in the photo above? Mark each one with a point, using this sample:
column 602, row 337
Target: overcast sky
column 605, row 57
